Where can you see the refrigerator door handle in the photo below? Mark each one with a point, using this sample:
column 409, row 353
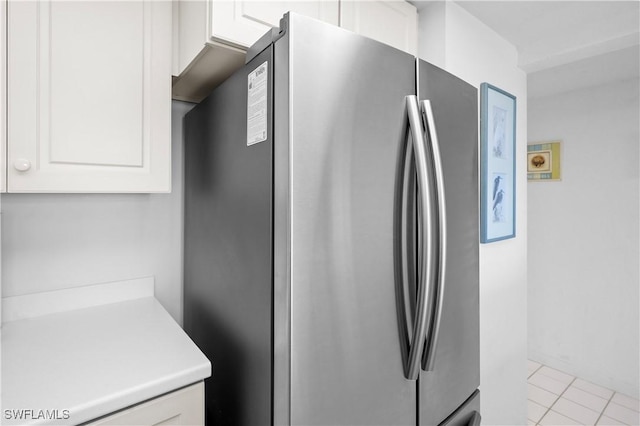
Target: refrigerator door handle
column 433, row 333
column 422, row 311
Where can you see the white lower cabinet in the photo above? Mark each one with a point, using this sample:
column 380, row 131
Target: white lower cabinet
column 211, row 37
column 89, row 96
column 182, row 407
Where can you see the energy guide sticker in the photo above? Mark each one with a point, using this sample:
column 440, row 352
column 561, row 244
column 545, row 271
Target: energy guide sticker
column 257, row 105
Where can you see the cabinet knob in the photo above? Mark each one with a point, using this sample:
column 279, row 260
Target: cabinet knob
column 22, row 164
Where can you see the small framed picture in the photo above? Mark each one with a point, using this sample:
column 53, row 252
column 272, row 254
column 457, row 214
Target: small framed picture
column 543, row 161
column 497, row 168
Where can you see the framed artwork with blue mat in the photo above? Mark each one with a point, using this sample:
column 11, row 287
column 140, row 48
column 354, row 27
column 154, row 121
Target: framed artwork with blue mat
column 498, row 166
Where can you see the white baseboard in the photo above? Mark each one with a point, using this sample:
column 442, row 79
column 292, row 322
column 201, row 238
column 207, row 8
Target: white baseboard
column 591, row 373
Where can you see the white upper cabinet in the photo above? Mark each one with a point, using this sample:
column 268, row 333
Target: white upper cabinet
column 244, row 22
column 391, row 22
column 89, row 89
column 237, row 23
column 212, row 36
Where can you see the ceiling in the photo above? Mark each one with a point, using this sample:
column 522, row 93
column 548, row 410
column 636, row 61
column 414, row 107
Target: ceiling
column 566, row 45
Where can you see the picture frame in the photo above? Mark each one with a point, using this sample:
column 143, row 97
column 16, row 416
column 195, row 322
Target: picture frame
column 543, row 161
column 498, row 166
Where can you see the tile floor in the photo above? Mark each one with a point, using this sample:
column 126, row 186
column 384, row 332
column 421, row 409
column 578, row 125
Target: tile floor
column 557, row 398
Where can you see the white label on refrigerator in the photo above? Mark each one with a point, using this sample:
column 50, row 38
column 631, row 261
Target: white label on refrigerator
column 257, row 85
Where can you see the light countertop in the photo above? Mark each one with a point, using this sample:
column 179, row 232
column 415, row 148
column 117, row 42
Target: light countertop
column 94, row 361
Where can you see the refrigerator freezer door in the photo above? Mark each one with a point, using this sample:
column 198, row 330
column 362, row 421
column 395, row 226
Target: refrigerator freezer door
column 346, row 141
column 455, row 373
column 468, row 414
column 228, row 246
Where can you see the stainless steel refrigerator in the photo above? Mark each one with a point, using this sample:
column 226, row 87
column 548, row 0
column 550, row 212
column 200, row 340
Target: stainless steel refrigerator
column 331, row 236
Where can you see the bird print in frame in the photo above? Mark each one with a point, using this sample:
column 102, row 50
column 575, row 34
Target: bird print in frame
column 498, row 166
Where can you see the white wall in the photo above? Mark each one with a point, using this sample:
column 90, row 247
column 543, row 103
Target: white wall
column 456, row 41
column 583, row 237
column 55, row 241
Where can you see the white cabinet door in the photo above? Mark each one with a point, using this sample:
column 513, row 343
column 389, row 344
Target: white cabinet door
column 394, row 22
column 213, row 36
column 242, row 23
column 3, row 96
column 236, row 23
column 182, row 407
column 89, row 89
